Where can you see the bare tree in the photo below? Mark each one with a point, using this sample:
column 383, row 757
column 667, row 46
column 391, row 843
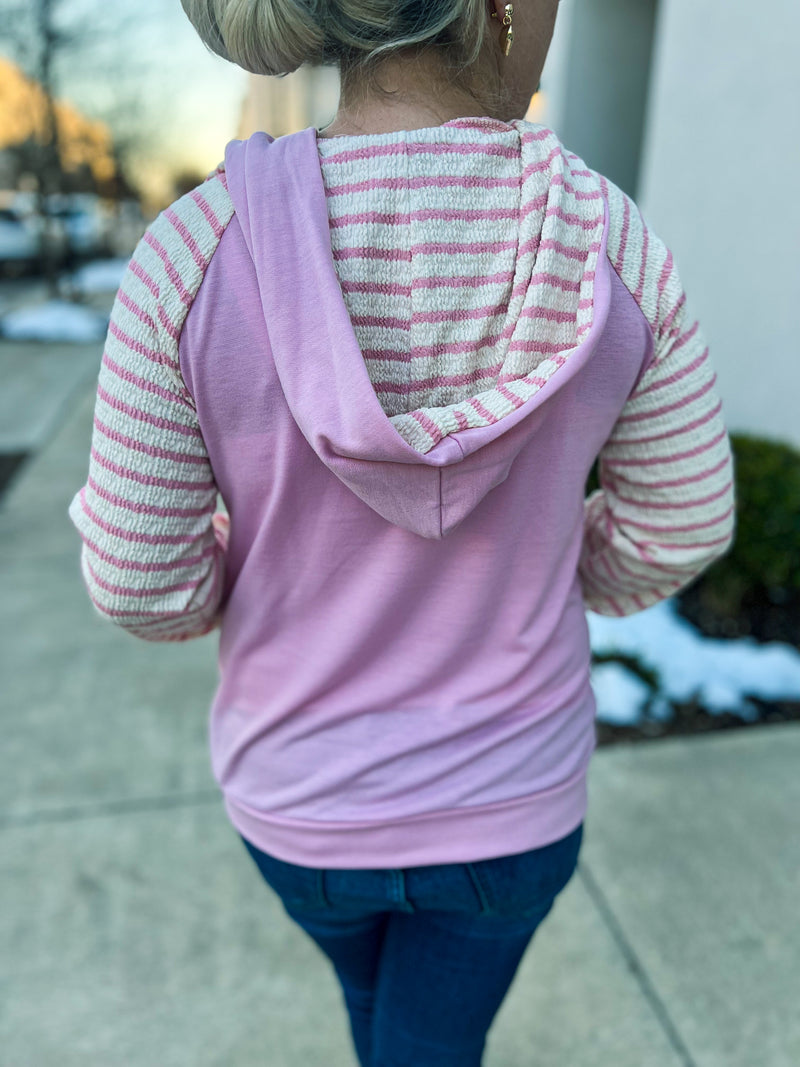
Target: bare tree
column 42, row 35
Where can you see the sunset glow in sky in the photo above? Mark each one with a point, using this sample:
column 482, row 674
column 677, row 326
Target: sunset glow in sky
column 194, row 97
column 190, row 99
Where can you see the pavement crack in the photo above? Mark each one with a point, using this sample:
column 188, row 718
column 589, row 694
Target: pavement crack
column 635, row 965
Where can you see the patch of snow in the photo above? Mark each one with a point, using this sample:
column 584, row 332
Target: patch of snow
column 55, row 320
column 620, row 695
column 720, row 673
column 99, row 276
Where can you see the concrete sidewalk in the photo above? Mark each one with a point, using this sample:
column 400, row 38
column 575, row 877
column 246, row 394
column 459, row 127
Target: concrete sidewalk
column 135, row 931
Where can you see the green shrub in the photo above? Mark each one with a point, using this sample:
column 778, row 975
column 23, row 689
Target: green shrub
column 755, row 588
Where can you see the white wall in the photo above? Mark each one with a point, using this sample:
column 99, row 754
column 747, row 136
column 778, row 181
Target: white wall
column 608, row 61
column 720, row 183
column 595, row 83
column 556, row 73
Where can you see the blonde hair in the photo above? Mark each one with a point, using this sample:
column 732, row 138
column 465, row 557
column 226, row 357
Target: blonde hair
column 275, row 37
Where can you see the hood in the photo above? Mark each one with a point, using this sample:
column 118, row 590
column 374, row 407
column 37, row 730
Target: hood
column 425, row 469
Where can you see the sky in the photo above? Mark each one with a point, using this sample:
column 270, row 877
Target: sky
column 190, row 99
column 194, row 97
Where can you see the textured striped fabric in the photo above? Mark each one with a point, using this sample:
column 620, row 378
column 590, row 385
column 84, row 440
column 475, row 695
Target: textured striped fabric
column 152, row 560
column 523, row 300
column 666, row 507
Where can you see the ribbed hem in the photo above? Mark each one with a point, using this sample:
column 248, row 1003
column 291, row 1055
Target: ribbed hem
column 459, row 835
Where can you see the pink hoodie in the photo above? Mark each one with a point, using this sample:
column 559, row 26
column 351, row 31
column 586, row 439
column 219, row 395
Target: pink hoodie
column 399, row 355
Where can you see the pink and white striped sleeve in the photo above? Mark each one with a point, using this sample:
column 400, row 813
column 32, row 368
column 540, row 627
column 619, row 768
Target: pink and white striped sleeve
column 665, row 509
column 152, row 559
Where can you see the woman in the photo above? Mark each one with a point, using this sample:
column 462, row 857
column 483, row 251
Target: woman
column 395, row 347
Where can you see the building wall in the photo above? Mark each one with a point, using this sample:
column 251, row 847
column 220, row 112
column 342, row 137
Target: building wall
column 720, row 167
column 603, row 110
column 716, row 159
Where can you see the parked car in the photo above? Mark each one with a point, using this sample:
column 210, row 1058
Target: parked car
column 85, row 222
column 74, row 228
column 28, row 236
column 127, row 226
column 19, row 244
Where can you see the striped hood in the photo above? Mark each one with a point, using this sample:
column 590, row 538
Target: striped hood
column 419, row 389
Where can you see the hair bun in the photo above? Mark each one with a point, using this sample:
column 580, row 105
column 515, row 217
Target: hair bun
column 272, row 37
column 275, row 37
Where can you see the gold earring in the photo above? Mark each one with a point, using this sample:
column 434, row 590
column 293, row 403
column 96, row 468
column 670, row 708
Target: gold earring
column 508, row 39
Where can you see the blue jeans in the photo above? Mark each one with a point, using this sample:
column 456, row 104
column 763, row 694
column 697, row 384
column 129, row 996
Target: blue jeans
column 424, row 955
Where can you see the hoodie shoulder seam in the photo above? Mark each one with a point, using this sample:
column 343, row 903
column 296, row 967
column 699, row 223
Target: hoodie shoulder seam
column 184, row 238
column 645, row 266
